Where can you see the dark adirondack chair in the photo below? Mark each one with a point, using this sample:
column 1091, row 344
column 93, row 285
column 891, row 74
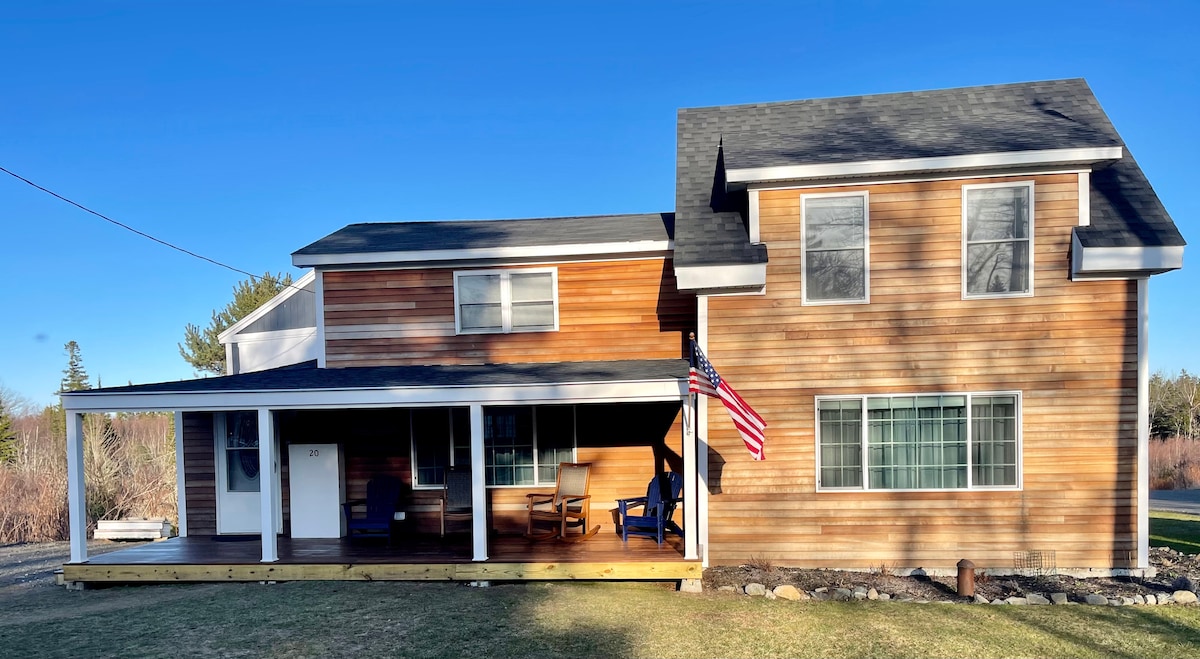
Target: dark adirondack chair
column 456, row 496
column 663, row 494
column 383, row 495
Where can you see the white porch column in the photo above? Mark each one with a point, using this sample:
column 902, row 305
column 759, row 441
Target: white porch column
column 180, row 489
column 76, row 494
column 266, row 484
column 690, row 477
column 479, row 535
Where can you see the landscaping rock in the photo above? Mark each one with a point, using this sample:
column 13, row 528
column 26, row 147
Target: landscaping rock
column 1165, row 598
column 980, row 599
column 821, row 595
column 822, row 589
column 998, row 601
column 872, row 594
column 1058, row 598
column 1138, row 599
column 1151, row 600
column 1036, row 599
column 789, row 592
column 843, row 595
column 883, row 597
column 727, row 589
column 770, row 594
column 755, row 589
column 1115, row 601
column 1096, row 600
column 1016, row 601
column 1184, row 597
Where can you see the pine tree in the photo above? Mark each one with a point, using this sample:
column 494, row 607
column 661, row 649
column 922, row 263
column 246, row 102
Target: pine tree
column 74, row 377
column 200, row 347
column 8, row 435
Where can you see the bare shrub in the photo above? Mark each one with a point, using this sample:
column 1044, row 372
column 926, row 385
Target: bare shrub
column 129, row 470
column 1174, row 463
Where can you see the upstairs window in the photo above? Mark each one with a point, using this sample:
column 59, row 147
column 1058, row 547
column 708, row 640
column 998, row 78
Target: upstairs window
column 504, row 301
column 834, row 254
column 998, row 240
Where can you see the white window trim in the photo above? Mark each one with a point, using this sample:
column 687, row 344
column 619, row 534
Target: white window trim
column 866, row 299
column 1032, row 215
column 412, row 448
column 537, row 482
column 971, row 487
column 505, row 300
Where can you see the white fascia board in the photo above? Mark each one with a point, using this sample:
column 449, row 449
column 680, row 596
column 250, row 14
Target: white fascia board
column 266, row 308
column 574, row 392
column 273, row 335
column 1134, row 260
column 640, row 248
column 710, row 277
column 1085, row 155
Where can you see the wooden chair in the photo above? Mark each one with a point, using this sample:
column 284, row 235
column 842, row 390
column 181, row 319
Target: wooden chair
column 383, row 495
column 456, row 496
column 569, row 506
column 658, row 506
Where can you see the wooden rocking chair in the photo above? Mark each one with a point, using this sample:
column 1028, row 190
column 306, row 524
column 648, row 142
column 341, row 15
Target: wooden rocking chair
column 569, row 506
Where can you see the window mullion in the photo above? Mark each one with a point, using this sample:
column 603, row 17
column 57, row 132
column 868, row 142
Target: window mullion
column 970, row 444
column 506, row 302
column 537, row 476
column 862, row 441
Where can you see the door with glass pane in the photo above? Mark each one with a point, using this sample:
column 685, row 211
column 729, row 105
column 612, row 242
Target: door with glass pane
column 238, row 472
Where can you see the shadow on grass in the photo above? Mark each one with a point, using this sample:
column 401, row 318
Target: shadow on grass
column 1092, row 619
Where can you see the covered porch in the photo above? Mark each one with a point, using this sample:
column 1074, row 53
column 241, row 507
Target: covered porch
column 399, row 413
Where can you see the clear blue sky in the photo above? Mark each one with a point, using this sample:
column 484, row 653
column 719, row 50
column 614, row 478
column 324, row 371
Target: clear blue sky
column 244, row 131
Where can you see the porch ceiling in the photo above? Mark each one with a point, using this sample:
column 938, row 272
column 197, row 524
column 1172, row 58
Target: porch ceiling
column 306, row 386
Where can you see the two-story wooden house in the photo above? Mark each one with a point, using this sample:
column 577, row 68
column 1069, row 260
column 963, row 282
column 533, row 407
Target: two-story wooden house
column 937, row 301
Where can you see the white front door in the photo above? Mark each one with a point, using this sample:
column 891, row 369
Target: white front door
column 239, row 504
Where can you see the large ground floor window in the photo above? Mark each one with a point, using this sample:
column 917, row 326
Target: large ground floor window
column 522, row 445
column 919, row 442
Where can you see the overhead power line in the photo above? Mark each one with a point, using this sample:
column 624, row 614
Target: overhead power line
column 143, row 234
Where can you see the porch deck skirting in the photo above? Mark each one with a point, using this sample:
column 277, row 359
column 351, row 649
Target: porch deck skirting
column 511, row 558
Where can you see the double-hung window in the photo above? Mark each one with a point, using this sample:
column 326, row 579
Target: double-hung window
column 524, row 445
column 919, row 442
column 997, row 240
column 834, row 251
column 504, row 301
column 441, row 437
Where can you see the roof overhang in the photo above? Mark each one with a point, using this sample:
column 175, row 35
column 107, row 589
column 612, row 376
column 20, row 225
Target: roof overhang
column 710, row 277
column 636, row 249
column 1130, row 262
column 1040, row 158
column 412, row 386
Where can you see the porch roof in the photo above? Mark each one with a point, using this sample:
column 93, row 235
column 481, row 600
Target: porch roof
column 305, row 385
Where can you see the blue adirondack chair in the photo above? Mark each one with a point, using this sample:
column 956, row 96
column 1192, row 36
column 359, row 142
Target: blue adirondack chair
column 657, row 508
column 383, row 493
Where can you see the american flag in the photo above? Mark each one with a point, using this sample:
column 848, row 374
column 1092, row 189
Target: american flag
column 703, row 379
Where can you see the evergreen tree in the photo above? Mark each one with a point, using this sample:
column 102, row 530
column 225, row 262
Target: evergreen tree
column 8, row 435
column 74, row 377
column 200, row 347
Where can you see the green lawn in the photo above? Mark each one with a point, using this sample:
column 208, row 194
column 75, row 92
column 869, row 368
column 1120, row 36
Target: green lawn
column 1175, row 530
column 344, row 619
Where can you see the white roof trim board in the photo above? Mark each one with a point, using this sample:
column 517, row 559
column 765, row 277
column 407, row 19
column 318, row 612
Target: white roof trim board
column 1085, row 155
column 280, row 298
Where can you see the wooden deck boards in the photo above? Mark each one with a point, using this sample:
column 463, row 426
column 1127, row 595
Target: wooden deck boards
column 511, row 558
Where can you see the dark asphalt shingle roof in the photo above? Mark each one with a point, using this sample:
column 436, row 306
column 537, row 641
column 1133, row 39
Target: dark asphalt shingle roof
column 308, row 377
column 1054, row 114
column 477, row 234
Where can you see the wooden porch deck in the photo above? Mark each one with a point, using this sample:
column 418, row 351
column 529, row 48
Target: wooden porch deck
column 419, row 558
